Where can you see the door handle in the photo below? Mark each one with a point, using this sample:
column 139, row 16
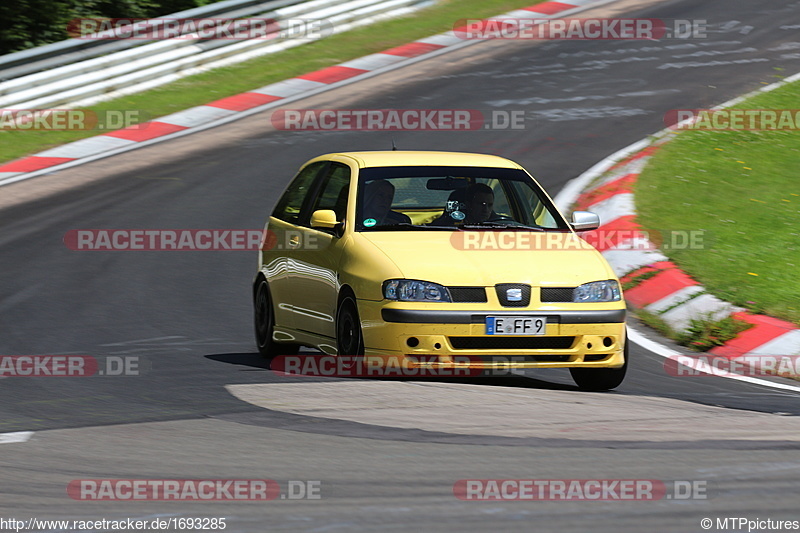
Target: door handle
column 294, row 241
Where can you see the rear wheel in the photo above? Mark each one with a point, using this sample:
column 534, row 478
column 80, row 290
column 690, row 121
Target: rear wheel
column 601, row 379
column 265, row 325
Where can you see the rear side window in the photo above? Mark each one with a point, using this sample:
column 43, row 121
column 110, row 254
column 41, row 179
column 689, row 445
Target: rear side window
column 291, row 203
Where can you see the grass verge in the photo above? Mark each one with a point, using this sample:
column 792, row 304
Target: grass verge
column 742, row 189
column 242, row 77
column 702, row 333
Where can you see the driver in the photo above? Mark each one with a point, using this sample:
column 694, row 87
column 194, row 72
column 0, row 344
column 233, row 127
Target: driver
column 479, row 203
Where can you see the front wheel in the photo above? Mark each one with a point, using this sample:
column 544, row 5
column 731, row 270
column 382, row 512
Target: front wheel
column 601, row 379
column 265, row 325
column 349, row 340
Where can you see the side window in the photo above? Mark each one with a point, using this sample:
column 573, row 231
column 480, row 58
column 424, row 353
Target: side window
column 334, row 191
column 501, row 205
column 289, row 206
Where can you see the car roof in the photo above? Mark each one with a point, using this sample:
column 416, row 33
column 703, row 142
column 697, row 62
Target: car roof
column 404, row 158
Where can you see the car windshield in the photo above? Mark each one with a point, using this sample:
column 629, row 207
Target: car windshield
column 452, row 198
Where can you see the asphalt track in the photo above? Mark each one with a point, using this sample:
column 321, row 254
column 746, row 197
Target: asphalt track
column 187, row 315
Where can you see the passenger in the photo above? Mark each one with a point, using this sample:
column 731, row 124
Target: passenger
column 378, row 198
column 453, row 211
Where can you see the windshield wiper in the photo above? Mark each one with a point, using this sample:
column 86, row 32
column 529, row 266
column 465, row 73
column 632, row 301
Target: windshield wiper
column 498, row 225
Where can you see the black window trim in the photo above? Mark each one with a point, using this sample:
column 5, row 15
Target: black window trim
column 316, row 189
column 304, row 220
column 303, row 205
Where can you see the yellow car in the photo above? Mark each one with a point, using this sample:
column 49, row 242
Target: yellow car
column 436, row 258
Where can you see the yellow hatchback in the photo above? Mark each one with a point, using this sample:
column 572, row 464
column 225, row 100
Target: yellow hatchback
column 437, row 258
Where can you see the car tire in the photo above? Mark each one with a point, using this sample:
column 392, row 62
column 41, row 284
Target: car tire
column 601, row 379
column 265, row 324
column 349, row 339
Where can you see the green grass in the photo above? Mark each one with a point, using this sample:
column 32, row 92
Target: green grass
column 641, row 278
column 743, row 189
column 227, row 81
column 654, row 321
column 702, row 333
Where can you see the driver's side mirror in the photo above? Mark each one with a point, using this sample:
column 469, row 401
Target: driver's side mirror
column 326, row 219
column 585, row 221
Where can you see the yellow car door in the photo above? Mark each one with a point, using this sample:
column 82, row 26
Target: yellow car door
column 278, row 255
column 315, row 282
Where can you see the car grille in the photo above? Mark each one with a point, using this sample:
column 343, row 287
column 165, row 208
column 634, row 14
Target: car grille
column 468, row 294
column 511, row 343
column 502, row 294
column 556, row 294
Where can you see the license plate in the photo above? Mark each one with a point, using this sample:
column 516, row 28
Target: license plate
column 516, row 325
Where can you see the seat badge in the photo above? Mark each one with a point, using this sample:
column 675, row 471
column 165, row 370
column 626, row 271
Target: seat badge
column 514, row 295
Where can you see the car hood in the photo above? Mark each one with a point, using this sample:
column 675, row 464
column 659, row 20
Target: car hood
column 485, row 258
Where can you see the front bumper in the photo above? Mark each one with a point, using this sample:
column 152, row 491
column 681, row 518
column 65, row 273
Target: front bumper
column 438, row 338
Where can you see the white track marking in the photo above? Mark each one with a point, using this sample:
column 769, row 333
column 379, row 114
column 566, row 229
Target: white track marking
column 17, row 436
column 665, row 352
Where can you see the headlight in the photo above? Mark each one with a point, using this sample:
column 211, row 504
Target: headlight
column 411, row 290
column 597, row 291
